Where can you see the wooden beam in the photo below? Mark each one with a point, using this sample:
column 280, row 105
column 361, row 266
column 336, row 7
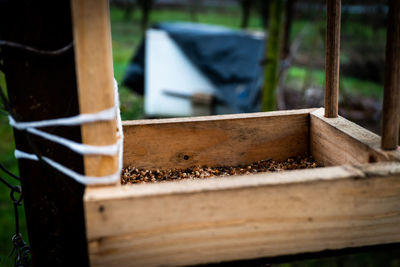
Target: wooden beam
column 332, row 57
column 39, row 88
column 391, row 95
column 216, row 140
column 225, row 219
column 94, row 69
column 337, row 141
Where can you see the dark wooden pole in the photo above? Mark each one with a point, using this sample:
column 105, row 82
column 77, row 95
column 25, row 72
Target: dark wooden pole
column 43, row 87
column 145, row 7
column 287, row 28
column 391, row 94
column 332, row 57
column 245, row 7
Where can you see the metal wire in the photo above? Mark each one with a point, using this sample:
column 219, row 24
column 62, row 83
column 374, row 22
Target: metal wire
column 17, row 201
column 22, row 257
column 6, row 183
column 9, row 173
column 36, row 50
column 20, row 248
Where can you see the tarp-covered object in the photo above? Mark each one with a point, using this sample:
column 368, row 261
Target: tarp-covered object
column 230, row 59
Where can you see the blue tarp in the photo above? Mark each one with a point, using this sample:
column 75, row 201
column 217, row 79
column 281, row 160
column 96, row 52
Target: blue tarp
column 229, row 58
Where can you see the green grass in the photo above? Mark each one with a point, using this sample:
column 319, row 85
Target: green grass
column 7, row 222
column 126, row 36
column 350, row 85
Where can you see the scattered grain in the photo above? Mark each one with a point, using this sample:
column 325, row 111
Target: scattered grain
column 132, row 175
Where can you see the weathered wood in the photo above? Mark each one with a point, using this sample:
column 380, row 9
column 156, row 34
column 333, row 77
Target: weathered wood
column 337, row 141
column 94, row 69
column 244, row 217
column 391, row 95
column 42, row 87
column 332, row 57
column 215, row 140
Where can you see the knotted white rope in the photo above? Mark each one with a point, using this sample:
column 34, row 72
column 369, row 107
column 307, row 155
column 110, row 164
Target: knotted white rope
column 83, row 149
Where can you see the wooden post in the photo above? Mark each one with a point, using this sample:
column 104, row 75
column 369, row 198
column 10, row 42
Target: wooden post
column 145, row 7
column 332, row 57
column 94, row 69
column 287, row 28
column 391, row 95
column 245, row 6
column 42, row 87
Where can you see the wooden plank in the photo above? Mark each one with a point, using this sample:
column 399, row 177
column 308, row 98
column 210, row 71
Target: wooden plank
column 40, row 88
column 337, row 141
column 391, row 95
column 216, row 140
column 332, row 57
column 94, row 69
column 244, row 217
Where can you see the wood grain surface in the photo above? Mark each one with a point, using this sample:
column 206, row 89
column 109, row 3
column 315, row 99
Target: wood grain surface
column 216, row 140
column 246, row 217
column 391, row 95
column 332, row 57
column 94, row 69
column 337, row 141
column 40, row 88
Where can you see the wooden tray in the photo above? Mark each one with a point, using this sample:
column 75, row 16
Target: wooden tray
column 353, row 202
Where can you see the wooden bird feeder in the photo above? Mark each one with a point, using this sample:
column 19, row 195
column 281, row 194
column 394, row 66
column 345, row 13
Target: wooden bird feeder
column 352, row 202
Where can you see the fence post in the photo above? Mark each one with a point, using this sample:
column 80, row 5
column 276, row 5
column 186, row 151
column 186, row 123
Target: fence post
column 332, row 57
column 45, row 87
column 391, row 94
column 94, row 69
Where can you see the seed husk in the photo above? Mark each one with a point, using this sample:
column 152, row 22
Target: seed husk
column 133, row 175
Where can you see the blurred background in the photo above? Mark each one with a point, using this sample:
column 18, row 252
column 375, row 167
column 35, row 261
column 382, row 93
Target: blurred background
column 177, row 58
column 291, row 59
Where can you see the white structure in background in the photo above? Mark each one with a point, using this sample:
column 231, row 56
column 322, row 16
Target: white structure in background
column 171, row 79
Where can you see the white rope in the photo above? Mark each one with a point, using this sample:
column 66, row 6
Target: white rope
column 105, row 115
column 74, row 175
column 120, row 130
column 83, row 149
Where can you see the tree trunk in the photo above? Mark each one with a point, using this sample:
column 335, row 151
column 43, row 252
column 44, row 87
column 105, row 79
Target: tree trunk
column 145, row 6
column 272, row 55
column 263, row 8
column 245, row 6
column 287, row 28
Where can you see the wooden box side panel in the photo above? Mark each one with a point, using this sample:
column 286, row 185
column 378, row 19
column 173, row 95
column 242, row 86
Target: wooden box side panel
column 243, row 217
column 216, row 140
column 337, row 141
